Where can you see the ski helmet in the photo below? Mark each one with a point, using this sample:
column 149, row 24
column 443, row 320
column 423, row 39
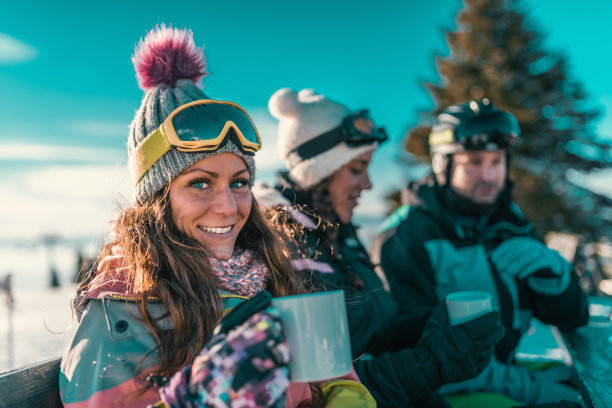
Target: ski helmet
column 470, row 126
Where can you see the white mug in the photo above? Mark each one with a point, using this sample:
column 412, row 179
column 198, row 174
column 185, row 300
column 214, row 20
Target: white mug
column 466, row 305
column 316, row 328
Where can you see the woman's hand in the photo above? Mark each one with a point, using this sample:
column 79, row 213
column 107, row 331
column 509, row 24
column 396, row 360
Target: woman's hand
column 247, row 367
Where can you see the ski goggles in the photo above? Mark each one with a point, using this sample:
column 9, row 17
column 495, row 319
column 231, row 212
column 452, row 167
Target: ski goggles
column 498, row 130
column 357, row 129
column 199, row 126
column 484, row 133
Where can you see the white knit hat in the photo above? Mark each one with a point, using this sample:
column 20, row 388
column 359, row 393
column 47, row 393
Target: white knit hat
column 303, row 116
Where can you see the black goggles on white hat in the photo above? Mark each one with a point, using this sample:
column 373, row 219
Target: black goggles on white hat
column 356, row 129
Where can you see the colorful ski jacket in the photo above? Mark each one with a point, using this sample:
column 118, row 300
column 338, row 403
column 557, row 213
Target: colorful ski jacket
column 429, row 251
column 111, row 343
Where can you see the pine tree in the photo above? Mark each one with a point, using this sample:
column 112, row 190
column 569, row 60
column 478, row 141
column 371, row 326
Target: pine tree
column 497, row 52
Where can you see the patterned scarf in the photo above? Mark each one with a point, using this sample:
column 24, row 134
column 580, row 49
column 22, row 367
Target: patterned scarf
column 243, row 274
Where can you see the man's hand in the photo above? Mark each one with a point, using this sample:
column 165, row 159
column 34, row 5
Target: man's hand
column 454, row 353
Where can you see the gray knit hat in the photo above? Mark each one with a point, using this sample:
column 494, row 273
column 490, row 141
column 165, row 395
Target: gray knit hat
column 169, row 68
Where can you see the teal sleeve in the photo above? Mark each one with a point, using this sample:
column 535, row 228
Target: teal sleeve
column 102, row 359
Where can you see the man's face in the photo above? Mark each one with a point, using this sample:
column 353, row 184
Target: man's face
column 479, row 175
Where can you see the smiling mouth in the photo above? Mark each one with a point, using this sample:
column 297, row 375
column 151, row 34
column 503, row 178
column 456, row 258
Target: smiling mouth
column 217, row 230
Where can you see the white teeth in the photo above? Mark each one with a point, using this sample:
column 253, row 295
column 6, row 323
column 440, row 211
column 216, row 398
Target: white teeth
column 217, row 230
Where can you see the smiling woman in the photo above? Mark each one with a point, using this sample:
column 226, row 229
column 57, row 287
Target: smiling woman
column 193, row 245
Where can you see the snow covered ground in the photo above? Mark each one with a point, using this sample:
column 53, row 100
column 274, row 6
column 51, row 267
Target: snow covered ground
column 40, row 323
column 38, row 328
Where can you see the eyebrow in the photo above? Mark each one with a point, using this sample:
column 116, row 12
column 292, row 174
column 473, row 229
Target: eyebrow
column 215, row 174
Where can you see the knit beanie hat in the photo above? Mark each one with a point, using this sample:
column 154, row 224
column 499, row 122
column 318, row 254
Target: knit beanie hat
column 303, row 116
column 169, row 68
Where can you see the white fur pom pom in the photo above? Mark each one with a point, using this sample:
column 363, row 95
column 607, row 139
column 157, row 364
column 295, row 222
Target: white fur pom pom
column 283, row 103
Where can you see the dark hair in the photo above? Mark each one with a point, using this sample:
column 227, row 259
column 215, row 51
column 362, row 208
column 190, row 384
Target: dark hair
column 323, row 208
column 328, row 221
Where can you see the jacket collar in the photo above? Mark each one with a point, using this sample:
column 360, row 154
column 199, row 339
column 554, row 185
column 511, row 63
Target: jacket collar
column 426, row 195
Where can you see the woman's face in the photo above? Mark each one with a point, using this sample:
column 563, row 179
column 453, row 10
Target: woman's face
column 347, row 183
column 211, row 202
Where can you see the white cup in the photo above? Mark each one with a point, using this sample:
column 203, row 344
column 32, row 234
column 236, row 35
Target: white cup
column 316, row 328
column 467, row 305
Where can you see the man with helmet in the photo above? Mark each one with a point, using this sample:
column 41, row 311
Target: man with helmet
column 459, row 229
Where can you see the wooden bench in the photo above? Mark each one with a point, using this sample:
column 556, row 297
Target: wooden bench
column 33, row 386
column 591, row 350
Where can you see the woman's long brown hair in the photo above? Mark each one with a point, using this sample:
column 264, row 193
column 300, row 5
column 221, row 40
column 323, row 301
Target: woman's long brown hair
column 167, row 265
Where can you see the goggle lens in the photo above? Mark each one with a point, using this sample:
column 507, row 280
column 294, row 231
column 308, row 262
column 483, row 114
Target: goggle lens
column 362, row 130
column 499, row 128
column 206, row 121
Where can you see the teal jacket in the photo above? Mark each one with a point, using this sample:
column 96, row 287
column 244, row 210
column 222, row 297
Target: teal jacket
column 428, row 251
column 99, row 366
column 112, row 344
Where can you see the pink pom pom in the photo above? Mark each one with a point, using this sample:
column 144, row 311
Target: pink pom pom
column 166, row 55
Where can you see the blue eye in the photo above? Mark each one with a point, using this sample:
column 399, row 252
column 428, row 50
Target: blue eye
column 239, row 183
column 200, row 183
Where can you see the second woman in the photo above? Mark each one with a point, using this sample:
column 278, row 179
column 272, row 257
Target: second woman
column 328, row 149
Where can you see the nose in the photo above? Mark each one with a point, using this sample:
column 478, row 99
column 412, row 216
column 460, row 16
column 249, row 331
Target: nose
column 365, row 182
column 225, row 203
column 488, row 172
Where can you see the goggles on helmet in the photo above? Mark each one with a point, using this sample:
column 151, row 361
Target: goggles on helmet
column 357, row 129
column 492, row 130
column 198, row 126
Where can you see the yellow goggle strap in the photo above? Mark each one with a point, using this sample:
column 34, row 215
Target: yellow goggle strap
column 148, row 153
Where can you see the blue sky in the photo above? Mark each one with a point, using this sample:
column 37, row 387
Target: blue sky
column 68, row 90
